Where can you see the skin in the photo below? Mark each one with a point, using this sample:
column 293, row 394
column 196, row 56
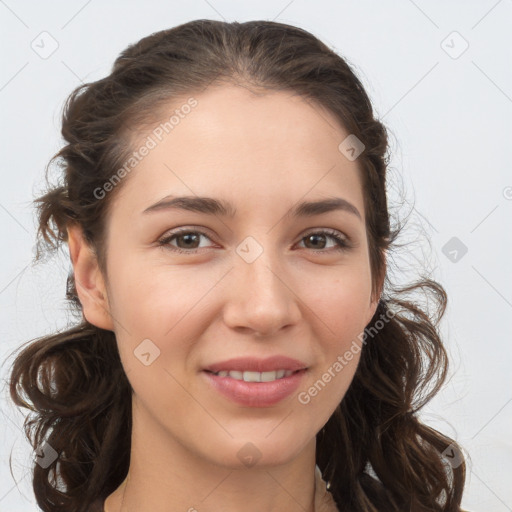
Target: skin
column 263, row 153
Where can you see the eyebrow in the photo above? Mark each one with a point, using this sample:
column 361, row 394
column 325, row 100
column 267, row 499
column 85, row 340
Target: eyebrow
column 211, row 206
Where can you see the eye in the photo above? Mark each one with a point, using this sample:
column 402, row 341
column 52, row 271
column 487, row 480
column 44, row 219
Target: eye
column 187, row 240
column 316, row 238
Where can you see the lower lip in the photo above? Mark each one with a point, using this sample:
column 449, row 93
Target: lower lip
column 256, row 394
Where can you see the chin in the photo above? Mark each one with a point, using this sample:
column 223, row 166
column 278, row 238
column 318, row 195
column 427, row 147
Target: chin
column 258, row 451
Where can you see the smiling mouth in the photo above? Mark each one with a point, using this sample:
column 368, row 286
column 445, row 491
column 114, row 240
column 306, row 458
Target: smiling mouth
column 250, row 376
column 255, row 389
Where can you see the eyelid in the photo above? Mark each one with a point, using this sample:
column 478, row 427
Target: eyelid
column 326, row 231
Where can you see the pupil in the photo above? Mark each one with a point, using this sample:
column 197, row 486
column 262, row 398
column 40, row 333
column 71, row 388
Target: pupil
column 316, row 237
column 188, row 237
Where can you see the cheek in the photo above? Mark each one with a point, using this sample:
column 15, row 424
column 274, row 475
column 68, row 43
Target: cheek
column 340, row 309
column 169, row 306
column 152, row 300
column 341, row 304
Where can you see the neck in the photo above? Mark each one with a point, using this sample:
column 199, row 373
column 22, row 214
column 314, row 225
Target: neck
column 165, row 476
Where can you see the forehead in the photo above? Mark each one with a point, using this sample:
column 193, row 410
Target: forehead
column 272, row 143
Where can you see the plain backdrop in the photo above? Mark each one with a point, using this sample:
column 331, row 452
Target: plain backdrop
column 440, row 77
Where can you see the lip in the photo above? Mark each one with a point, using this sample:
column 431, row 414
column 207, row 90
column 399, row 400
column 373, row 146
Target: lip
column 255, row 394
column 253, row 364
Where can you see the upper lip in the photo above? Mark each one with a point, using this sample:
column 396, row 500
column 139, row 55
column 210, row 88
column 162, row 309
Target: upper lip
column 254, row 364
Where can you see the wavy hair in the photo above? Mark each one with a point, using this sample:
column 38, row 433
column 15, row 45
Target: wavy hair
column 374, row 451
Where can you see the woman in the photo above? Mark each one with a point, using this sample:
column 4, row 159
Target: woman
column 241, row 345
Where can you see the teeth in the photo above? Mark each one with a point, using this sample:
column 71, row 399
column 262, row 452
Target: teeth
column 267, row 376
column 255, row 376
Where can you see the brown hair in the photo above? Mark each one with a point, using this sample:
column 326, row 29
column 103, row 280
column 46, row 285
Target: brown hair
column 374, row 451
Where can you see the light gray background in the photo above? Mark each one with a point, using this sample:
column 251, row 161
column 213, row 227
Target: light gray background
column 450, row 120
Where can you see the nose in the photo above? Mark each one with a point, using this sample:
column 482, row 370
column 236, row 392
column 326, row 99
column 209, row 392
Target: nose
column 262, row 300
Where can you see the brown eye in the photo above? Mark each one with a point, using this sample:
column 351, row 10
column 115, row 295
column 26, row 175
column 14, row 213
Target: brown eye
column 190, row 240
column 317, row 240
column 187, row 241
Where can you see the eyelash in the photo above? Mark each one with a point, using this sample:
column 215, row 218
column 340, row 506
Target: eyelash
column 342, row 242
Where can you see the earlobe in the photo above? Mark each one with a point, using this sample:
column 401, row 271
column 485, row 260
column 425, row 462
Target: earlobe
column 89, row 281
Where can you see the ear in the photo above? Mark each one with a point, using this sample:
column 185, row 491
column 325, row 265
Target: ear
column 374, row 301
column 89, row 282
column 371, row 309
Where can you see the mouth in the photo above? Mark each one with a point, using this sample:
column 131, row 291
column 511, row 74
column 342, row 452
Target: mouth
column 255, row 389
column 250, row 376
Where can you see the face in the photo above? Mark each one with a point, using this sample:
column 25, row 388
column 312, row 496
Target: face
column 190, row 286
